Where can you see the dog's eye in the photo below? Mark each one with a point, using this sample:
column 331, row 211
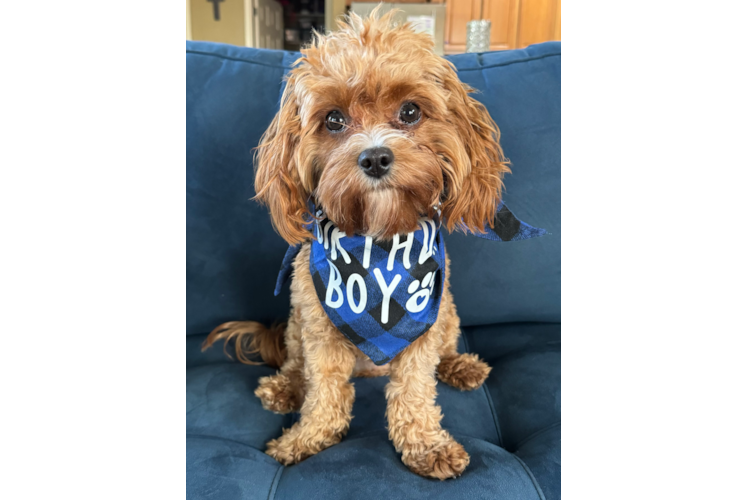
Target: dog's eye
column 410, row 113
column 335, row 121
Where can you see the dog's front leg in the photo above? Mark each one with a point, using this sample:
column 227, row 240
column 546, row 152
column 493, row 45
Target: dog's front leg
column 413, row 416
column 329, row 360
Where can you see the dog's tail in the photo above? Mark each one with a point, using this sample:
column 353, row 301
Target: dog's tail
column 251, row 337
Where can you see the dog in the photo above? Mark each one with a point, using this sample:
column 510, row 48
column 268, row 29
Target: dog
column 377, row 133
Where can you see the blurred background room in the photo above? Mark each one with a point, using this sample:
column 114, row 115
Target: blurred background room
column 456, row 25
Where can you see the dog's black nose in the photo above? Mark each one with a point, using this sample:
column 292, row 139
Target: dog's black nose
column 376, row 161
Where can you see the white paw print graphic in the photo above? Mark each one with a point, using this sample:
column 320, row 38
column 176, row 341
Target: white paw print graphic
column 427, row 288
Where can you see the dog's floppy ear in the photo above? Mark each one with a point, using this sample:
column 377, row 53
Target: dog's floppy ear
column 277, row 181
column 474, row 183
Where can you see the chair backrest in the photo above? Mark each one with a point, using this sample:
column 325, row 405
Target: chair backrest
column 233, row 254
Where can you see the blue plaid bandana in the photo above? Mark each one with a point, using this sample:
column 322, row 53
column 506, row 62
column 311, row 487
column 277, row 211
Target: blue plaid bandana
column 383, row 295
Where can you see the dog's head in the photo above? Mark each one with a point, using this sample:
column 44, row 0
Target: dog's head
column 377, row 130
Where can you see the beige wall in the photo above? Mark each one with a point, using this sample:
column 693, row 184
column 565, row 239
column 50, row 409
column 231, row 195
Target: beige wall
column 333, row 10
column 230, row 28
column 189, row 22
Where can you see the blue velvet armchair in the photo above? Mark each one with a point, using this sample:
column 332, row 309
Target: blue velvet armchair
column 507, row 296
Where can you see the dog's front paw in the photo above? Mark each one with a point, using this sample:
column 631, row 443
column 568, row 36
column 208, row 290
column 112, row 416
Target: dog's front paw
column 297, row 444
column 286, row 451
column 278, row 394
column 465, row 371
column 445, row 461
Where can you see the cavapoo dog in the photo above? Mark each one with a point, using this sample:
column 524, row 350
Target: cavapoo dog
column 376, row 146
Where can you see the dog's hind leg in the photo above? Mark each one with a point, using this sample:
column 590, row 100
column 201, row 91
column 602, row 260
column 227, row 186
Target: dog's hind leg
column 284, row 392
column 463, row 371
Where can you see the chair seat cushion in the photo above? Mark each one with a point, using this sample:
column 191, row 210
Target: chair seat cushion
column 510, row 427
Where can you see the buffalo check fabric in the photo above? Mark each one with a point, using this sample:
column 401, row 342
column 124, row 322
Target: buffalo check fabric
column 507, row 227
column 383, row 295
